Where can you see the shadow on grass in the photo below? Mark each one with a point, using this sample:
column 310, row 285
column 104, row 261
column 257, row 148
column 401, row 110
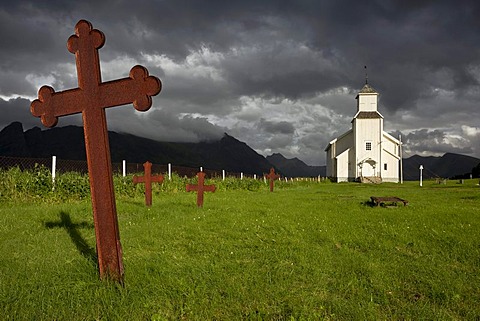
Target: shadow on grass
column 369, row 203
column 77, row 239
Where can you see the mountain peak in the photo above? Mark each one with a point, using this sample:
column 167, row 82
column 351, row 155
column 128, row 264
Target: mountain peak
column 294, row 167
column 12, row 141
column 68, row 143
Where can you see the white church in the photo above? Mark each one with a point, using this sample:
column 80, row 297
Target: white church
column 365, row 153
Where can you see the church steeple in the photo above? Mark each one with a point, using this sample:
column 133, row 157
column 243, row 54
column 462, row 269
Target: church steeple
column 367, row 89
column 367, row 97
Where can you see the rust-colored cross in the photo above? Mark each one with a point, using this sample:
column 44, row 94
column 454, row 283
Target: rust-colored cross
column 91, row 98
column 148, row 179
column 200, row 188
column 272, row 177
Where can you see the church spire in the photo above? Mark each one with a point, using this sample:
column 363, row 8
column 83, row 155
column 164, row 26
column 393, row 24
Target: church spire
column 367, row 88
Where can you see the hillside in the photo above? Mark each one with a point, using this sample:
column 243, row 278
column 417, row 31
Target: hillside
column 446, row 166
column 228, row 153
column 68, row 142
column 294, row 167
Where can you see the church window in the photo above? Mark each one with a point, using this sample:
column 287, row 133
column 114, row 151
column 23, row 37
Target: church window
column 385, row 166
column 368, row 145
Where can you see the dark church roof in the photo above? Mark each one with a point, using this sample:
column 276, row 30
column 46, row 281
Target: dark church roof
column 367, row 89
column 368, row 115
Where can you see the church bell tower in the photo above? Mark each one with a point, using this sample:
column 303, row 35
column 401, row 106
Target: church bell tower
column 367, row 125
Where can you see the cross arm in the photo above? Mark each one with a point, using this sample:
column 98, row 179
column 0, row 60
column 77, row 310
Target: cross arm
column 191, row 188
column 138, row 179
column 51, row 105
column 138, row 89
column 210, row 188
column 157, row 179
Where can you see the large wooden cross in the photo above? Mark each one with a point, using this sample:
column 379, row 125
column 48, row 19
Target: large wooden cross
column 91, row 98
column 272, row 177
column 200, row 188
column 148, row 179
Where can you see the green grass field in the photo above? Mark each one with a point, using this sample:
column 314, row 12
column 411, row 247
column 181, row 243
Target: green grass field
column 308, row 251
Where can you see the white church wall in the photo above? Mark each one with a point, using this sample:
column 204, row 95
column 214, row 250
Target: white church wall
column 344, row 142
column 335, row 148
column 330, row 162
column 392, row 145
column 367, row 102
column 391, row 174
column 342, row 166
column 367, row 140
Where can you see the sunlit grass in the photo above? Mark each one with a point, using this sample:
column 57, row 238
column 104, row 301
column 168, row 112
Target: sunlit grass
column 308, row 251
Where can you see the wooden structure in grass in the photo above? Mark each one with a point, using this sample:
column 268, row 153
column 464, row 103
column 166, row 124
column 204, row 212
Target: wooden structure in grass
column 91, row 98
column 200, row 188
column 272, row 176
column 384, row 200
column 148, row 179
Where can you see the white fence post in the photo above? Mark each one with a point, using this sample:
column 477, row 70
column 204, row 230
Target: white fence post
column 241, row 175
column 421, row 174
column 124, row 168
column 223, row 174
column 254, row 176
column 54, row 168
column 169, row 171
column 201, row 169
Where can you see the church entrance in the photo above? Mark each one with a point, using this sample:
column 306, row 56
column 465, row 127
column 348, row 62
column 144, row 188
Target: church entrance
column 367, row 168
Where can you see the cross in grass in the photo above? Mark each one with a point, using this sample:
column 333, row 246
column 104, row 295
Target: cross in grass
column 148, row 179
column 200, row 188
column 272, row 177
column 91, row 98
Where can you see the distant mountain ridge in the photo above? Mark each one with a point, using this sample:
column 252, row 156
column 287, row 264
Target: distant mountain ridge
column 228, row 153
column 294, row 167
column 68, row 142
column 447, row 166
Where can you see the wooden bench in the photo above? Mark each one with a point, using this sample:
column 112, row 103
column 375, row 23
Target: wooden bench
column 382, row 200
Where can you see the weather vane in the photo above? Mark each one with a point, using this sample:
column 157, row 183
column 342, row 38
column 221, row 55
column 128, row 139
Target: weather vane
column 366, row 76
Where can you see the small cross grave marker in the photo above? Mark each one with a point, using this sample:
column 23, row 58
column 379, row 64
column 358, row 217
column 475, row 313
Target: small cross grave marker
column 90, row 99
column 148, row 179
column 272, row 177
column 200, row 188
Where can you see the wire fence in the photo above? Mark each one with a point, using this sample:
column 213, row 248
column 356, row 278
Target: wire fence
column 79, row 166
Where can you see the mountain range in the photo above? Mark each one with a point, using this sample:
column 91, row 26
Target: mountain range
column 447, row 166
column 227, row 153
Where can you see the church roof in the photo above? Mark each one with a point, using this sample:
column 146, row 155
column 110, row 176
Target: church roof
column 367, row 89
column 368, row 115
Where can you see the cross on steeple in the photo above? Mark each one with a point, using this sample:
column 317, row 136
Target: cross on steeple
column 90, row 99
column 366, row 76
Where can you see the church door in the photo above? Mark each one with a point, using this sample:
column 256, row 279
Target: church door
column 368, row 168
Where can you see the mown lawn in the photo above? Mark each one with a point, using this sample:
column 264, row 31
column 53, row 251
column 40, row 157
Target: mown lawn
column 308, row 251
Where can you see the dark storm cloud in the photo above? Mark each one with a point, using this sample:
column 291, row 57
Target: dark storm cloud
column 226, row 64
column 14, row 110
column 280, row 127
column 163, row 125
column 438, row 142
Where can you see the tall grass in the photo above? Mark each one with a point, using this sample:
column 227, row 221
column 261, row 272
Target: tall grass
column 308, row 251
column 37, row 185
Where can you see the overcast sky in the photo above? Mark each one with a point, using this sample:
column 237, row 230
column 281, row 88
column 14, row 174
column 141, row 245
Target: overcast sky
column 281, row 76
